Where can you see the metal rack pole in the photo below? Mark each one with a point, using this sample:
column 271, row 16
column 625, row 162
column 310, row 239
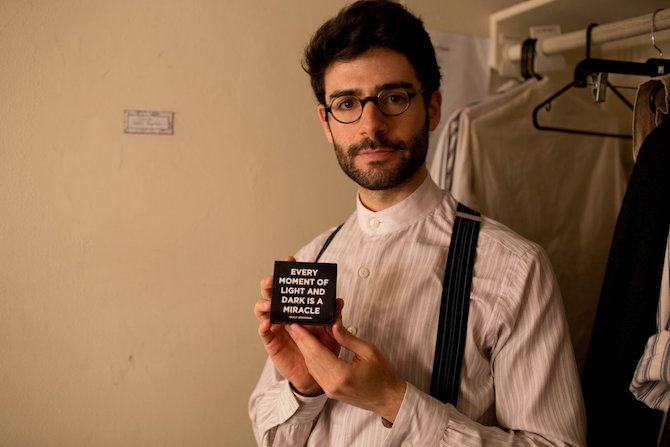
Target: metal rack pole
column 600, row 34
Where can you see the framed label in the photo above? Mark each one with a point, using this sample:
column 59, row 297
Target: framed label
column 148, row 122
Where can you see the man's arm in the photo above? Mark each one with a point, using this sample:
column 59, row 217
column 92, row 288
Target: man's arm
column 538, row 398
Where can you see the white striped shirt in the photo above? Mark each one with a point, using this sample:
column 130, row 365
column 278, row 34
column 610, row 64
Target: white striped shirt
column 519, row 383
column 651, row 381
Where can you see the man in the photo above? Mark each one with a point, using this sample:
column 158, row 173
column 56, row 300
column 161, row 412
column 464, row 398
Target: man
column 374, row 74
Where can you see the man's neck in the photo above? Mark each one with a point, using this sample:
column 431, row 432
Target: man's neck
column 382, row 199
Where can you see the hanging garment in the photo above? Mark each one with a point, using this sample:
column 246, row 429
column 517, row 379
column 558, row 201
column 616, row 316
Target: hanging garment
column 626, row 312
column 442, row 165
column 451, row 138
column 560, row 190
column 464, row 66
column 651, row 381
column 464, row 168
column 644, row 118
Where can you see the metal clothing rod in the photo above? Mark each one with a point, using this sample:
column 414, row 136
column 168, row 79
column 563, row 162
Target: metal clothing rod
column 600, row 34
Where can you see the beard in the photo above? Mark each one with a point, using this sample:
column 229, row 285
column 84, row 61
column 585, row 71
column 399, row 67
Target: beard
column 376, row 176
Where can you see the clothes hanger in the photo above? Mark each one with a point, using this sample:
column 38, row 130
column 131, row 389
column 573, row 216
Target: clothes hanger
column 658, row 87
column 651, row 67
column 598, row 69
column 527, row 63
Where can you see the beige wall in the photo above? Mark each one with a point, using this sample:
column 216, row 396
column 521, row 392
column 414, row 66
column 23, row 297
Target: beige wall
column 130, row 263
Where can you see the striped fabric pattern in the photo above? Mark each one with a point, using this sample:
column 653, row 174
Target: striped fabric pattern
column 651, row 381
column 442, row 165
column 519, row 383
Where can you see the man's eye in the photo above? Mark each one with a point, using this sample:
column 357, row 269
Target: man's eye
column 345, row 104
column 394, row 99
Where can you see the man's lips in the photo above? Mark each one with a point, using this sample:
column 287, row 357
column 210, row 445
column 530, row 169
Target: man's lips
column 370, row 146
column 376, row 154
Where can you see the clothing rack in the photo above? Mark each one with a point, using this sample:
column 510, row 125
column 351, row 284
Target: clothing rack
column 622, row 29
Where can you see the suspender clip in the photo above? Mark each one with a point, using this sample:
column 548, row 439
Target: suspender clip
column 468, row 216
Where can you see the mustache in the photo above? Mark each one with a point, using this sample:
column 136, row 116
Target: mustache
column 369, row 143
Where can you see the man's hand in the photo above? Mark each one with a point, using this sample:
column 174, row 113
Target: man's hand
column 283, row 351
column 369, row 382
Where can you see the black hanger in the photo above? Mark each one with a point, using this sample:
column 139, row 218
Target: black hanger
column 592, row 66
column 651, row 67
column 527, row 62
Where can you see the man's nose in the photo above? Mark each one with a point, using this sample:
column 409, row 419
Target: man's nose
column 372, row 122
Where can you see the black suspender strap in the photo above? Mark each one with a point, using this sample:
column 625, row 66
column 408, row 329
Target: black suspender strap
column 328, row 241
column 453, row 322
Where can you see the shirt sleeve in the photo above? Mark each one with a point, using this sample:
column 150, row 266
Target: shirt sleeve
column 280, row 417
column 537, row 392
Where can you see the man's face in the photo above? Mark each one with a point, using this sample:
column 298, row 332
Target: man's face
column 379, row 152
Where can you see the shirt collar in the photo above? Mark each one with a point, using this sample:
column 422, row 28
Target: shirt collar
column 401, row 215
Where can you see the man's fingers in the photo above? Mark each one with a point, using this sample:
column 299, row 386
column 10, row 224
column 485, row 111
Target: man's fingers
column 262, row 309
column 266, row 287
column 265, row 331
column 312, row 349
column 339, row 305
column 349, row 341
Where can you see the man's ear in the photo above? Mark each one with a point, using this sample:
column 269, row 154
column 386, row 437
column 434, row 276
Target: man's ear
column 434, row 110
column 323, row 117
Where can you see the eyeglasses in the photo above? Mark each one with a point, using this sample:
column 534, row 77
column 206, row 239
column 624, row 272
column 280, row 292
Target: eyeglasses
column 392, row 102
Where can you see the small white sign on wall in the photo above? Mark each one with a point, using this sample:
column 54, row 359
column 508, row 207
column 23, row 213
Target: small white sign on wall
column 148, row 122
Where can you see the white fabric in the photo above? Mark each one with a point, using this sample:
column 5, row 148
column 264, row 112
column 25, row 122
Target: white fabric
column 464, row 66
column 560, row 190
column 519, row 383
column 455, row 133
column 651, row 381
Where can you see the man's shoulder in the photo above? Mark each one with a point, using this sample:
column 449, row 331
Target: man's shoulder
column 497, row 235
column 492, row 233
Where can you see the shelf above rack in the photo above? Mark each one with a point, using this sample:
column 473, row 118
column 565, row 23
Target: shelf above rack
column 510, row 26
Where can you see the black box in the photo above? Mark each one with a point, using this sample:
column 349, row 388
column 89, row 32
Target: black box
column 303, row 292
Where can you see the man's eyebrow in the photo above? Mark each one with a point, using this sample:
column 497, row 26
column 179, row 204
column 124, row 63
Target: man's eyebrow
column 358, row 92
column 345, row 92
column 392, row 85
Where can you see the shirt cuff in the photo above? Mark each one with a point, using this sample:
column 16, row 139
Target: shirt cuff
column 300, row 409
column 421, row 419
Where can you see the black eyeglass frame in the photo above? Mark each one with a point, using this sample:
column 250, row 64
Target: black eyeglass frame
column 375, row 101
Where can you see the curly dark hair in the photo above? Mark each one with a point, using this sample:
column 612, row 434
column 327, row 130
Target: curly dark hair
column 366, row 24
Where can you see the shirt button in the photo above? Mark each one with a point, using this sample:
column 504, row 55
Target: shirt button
column 363, row 272
column 352, row 330
column 374, row 223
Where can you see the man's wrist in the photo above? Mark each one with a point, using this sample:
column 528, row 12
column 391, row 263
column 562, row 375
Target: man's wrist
column 391, row 411
column 308, row 394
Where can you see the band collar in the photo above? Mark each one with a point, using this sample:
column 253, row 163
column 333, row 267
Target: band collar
column 401, row 215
